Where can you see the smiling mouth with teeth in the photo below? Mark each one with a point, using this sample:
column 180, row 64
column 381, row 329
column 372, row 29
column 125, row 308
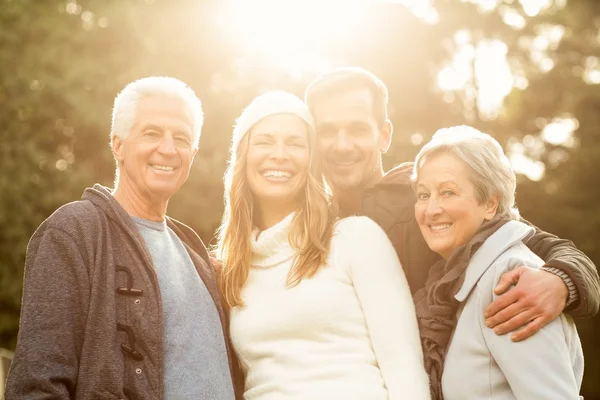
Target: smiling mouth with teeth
column 162, row 167
column 439, row 227
column 277, row 175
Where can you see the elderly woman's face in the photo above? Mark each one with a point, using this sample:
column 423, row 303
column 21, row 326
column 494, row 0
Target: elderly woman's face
column 447, row 210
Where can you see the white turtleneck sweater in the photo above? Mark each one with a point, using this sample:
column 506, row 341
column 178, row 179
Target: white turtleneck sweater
column 350, row 332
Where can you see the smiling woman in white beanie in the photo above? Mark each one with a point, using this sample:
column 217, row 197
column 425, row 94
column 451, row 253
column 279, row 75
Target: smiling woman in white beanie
column 319, row 309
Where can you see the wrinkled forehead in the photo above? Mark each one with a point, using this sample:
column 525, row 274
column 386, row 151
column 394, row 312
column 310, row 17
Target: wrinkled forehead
column 442, row 167
column 161, row 109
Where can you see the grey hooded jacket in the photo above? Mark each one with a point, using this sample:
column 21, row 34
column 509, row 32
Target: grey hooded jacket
column 482, row 365
column 91, row 320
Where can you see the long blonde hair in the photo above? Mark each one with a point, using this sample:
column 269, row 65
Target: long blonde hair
column 310, row 232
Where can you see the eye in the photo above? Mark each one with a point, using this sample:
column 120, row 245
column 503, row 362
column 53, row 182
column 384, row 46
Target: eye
column 151, row 133
column 326, row 132
column 447, row 193
column 359, row 130
column 183, row 139
column 422, row 196
column 298, row 143
column 261, row 142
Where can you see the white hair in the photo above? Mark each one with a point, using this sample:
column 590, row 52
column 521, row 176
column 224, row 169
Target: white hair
column 126, row 102
column 491, row 173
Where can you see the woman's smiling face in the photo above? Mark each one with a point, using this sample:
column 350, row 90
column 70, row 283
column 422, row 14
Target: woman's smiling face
column 278, row 159
column 447, row 209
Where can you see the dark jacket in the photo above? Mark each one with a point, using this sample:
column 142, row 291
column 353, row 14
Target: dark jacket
column 91, row 319
column 390, row 203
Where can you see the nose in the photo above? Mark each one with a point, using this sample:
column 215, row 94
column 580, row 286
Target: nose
column 342, row 142
column 167, row 145
column 433, row 207
column 279, row 152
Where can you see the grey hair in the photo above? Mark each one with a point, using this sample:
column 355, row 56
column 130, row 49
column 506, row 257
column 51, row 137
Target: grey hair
column 491, row 173
column 126, row 102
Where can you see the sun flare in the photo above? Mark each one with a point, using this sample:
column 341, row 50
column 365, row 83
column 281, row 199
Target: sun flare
column 290, row 34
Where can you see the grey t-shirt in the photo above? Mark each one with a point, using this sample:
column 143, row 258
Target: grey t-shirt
column 196, row 365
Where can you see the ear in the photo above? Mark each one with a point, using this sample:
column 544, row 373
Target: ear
column 385, row 136
column 491, row 207
column 117, row 148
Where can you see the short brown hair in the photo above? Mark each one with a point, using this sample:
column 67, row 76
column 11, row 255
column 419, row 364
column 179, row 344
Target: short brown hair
column 343, row 79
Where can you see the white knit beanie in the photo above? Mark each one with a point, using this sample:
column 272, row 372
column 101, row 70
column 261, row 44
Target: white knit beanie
column 270, row 103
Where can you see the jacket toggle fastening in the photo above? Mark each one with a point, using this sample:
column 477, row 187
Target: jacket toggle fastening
column 129, row 347
column 129, row 290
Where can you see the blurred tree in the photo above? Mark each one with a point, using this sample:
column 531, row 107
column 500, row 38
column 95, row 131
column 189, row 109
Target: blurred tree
column 63, row 61
column 565, row 201
column 38, row 138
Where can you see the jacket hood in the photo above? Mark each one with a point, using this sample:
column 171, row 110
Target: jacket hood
column 391, row 200
column 399, row 175
column 505, row 237
column 101, row 197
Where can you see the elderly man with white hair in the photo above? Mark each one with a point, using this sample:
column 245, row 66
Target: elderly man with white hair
column 120, row 301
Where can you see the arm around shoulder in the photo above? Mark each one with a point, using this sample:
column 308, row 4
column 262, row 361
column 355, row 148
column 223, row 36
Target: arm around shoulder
column 547, row 365
column 53, row 313
column 563, row 255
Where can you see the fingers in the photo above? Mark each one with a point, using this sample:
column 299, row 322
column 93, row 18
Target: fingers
column 508, row 279
column 534, row 301
column 506, row 320
column 532, row 328
column 501, row 303
column 519, row 320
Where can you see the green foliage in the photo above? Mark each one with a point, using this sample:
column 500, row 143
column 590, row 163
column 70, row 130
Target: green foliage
column 565, row 201
column 61, row 64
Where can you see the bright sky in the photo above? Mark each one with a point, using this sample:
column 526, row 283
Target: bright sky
column 289, row 33
column 276, row 33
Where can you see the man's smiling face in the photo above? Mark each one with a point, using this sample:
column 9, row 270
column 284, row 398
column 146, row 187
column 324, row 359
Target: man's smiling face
column 155, row 158
column 350, row 142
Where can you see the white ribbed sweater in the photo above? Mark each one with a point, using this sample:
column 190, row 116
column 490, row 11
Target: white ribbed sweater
column 350, row 332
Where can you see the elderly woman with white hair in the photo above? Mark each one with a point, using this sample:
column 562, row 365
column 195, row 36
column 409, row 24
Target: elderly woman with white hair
column 466, row 211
